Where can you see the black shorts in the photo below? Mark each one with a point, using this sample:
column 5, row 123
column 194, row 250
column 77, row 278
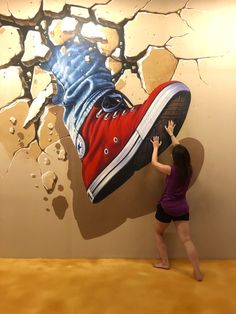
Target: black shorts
column 162, row 216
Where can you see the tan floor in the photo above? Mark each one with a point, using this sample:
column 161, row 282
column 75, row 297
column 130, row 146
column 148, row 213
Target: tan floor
column 115, row 286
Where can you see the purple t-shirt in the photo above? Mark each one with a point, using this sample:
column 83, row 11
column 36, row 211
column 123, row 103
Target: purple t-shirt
column 173, row 199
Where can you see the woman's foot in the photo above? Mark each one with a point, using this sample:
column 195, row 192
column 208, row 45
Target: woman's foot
column 162, row 265
column 198, row 275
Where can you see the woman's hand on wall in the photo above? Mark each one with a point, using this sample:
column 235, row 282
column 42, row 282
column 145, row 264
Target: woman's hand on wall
column 170, row 127
column 156, row 142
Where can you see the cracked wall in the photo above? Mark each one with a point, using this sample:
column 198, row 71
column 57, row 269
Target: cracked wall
column 45, row 210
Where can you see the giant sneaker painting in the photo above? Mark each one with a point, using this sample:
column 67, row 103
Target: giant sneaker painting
column 111, row 134
column 115, row 90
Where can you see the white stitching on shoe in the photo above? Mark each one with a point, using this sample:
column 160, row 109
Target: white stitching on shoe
column 99, row 113
column 106, row 116
column 115, row 115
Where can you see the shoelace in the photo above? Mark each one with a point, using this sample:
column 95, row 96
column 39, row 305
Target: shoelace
column 113, row 102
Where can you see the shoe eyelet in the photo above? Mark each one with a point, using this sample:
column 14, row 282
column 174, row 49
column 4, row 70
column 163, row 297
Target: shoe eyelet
column 115, row 115
column 106, row 116
column 99, row 113
column 106, row 151
column 115, row 139
column 123, row 112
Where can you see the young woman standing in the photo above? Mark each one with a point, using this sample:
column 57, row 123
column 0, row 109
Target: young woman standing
column 173, row 204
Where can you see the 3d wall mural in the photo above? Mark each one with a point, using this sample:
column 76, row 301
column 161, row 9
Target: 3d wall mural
column 78, row 63
column 85, row 84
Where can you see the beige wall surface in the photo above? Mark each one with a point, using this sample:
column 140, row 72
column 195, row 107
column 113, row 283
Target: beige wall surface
column 45, row 211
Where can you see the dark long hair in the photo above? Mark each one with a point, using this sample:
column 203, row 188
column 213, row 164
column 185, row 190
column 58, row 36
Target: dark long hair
column 182, row 162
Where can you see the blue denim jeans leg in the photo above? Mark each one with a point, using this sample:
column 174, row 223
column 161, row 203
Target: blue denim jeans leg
column 82, row 80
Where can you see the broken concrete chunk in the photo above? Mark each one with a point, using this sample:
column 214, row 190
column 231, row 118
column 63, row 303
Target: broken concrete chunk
column 51, row 90
column 81, row 13
column 13, row 120
column 63, row 50
column 107, row 38
column 12, row 85
column 38, row 104
column 25, row 12
column 12, row 130
column 143, row 24
column 43, row 24
column 130, row 85
column 156, row 67
column 60, row 168
column 62, row 30
column 117, row 11
column 49, row 180
column 41, row 79
column 111, row 43
column 116, row 54
column 52, row 116
column 35, row 109
column 69, row 24
column 11, row 44
column 35, row 49
column 53, row 7
column 62, row 155
column 113, row 65
column 93, row 32
column 76, row 40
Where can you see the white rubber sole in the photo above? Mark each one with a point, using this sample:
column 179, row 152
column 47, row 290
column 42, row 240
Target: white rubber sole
column 131, row 147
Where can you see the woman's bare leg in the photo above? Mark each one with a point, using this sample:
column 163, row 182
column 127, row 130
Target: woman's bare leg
column 161, row 246
column 183, row 231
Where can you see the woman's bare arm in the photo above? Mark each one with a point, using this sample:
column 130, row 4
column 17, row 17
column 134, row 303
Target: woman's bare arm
column 170, row 130
column 166, row 169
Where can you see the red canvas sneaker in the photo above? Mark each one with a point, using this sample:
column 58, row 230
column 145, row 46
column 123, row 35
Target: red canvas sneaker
column 113, row 145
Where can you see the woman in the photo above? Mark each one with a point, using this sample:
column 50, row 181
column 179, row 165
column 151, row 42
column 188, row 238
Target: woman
column 173, row 205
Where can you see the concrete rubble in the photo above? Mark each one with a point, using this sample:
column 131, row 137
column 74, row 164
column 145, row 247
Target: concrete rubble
column 10, row 77
column 11, row 44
